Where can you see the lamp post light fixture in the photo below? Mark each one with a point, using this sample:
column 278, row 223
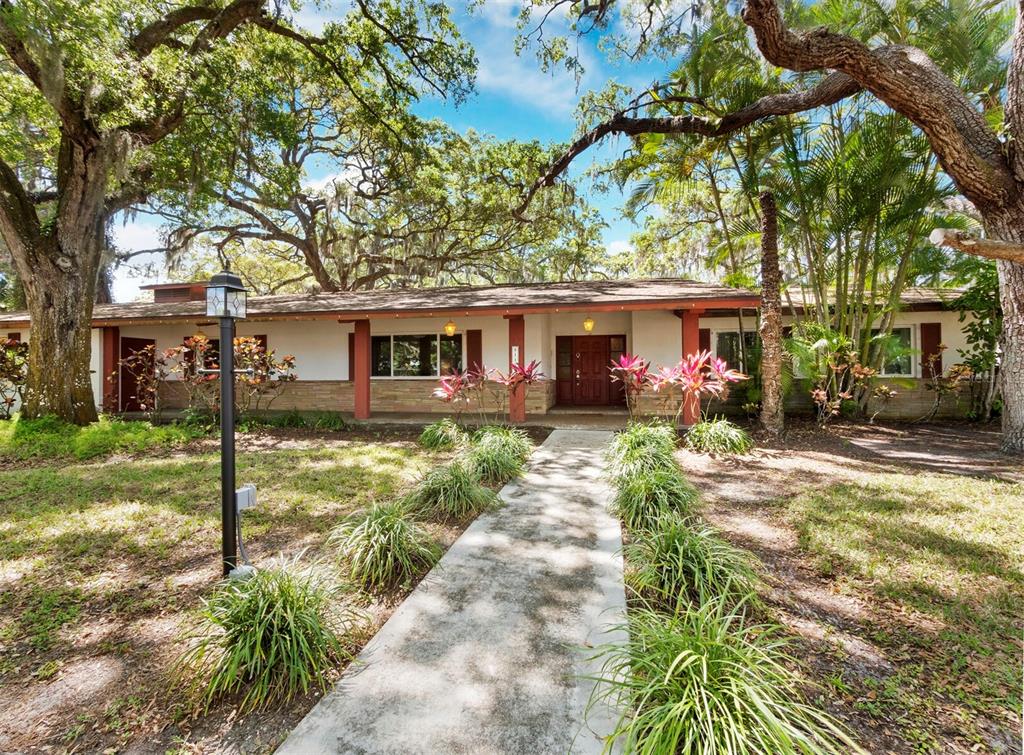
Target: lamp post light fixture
column 450, row 328
column 226, row 300
column 588, row 323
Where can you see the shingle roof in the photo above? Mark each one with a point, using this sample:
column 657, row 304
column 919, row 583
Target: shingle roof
column 914, row 296
column 409, row 302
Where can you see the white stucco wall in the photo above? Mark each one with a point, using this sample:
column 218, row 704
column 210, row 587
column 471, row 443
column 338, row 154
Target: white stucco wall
column 320, row 347
column 657, row 337
column 952, row 334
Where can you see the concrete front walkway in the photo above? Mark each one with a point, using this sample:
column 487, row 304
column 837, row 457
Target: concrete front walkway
column 487, row 654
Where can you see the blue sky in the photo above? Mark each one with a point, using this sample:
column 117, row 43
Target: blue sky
column 514, row 99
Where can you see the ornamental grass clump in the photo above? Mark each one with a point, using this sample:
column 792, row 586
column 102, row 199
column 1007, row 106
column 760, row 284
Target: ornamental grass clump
column 678, row 560
column 709, row 680
column 514, row 439
column 383, row 546
column 641, row 497
column 498, row 454
column 267, row 638
column 718, row 436
column 450, row 493
column 642, row 447
column 442, row 435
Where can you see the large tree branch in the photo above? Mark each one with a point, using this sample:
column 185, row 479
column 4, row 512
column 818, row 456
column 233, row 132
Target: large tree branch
column 992, row 249
column 52, row 87
column 831, row 89
column 18, row 219
column 159, row 32
column 909, row 82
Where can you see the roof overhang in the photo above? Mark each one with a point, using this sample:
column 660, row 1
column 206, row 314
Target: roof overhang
column 689, row 303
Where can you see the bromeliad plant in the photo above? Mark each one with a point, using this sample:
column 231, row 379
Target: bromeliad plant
column 635, row 376
column 481, row 385
column 699, row 375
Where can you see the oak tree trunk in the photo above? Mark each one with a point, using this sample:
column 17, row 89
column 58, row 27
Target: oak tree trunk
column 58, row 258
column 1010, row 227
column 772, row 412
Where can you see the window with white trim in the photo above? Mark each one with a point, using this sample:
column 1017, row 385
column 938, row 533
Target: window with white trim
column 727, row 347
column 898, row 362
column 426, row 355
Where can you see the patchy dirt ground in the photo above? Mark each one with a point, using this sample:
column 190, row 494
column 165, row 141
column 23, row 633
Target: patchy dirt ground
column 104, row 563
column 902, row 589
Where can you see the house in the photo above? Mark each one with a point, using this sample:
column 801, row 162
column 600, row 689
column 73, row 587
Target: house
column 372, row 352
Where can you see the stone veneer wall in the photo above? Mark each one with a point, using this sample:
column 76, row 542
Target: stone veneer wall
column 385, row 396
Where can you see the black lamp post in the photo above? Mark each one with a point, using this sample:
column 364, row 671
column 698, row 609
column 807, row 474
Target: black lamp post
column 225, row 300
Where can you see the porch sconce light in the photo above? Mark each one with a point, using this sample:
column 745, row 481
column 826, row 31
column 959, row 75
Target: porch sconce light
column 225, row 300
column 449, row 328
column 588, row 324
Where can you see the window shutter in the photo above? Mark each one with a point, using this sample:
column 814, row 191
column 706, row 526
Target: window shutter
column 931, row 337
column 351, row 356
column 704, row 339
column 474, row 349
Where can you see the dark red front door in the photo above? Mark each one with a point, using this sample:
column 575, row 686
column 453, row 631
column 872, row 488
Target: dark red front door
column 590, row 370
column 129, row 380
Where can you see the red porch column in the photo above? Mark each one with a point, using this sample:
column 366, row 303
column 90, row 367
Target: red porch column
column 690, row 319
column 362, row 369
column 110, row 383
column 516, row 350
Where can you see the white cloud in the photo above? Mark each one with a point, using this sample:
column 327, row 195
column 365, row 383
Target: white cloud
column 619, row 246
column 134, row 236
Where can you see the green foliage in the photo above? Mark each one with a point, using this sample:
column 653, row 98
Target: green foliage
column 643, row 496
column 384, row 547
column 642, row 447
column 333, row 422
column 450, row 493
column 718, row 436
column 707, row 679
column 498, row 454
column 514, row 439
column 49, row 437
column 443, row 434
column 47, row 611
column 291, row 419
column 269, row 638
column 678, row 561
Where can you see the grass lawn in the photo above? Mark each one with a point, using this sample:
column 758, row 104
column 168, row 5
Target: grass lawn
column 905, row 584
column 103, row 563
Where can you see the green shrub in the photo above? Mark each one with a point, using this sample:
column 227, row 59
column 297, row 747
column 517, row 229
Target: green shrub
column 268, row 638
column 290, row 419
column 642, row 447
column 718, row 436
column 707, row 680
column 641, row 497
column 332, row 422
column 383, row 547
column 512, row 439
column 49, row 437
column 443, row 434
column 679, row 560
column 450, row 493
